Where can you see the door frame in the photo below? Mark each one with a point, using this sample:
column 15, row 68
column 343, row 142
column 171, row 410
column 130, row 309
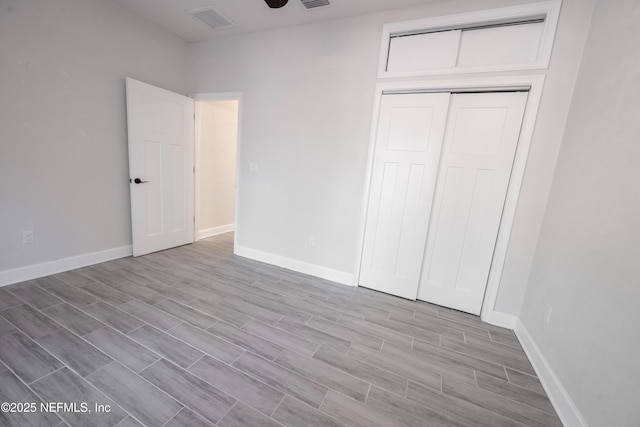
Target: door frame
column 217, row 96
column 532, row 83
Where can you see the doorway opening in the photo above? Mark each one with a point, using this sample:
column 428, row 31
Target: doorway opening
column 216, row 154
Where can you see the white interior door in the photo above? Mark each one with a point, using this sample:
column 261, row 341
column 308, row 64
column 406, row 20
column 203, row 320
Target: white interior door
column 477, row 158
column 161, row 144
column 407, row 150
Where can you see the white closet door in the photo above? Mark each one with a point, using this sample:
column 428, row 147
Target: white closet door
column 477, row 158
column 408, row 145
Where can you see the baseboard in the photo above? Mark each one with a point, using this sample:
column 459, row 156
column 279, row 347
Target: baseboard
column 562, row 402
column 296, row 265
column 210, row 232
column 497, row 318
column 29, row 272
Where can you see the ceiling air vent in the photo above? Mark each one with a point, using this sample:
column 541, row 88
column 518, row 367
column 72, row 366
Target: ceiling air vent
column 310, row 4
column 213, row 18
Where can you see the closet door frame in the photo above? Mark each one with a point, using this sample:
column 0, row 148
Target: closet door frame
column 531, row 83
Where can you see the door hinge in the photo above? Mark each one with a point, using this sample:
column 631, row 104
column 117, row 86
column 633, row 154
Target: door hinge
column 194, row 169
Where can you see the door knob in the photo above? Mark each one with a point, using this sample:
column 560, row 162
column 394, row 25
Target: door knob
column 138, row 181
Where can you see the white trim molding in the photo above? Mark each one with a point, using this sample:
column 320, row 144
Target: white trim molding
column 504, row 320
column 550, row 10
column 563, row 404
column 210, row 232
column 295, row 265
column 513, row 194
column 35, row 271
column 216, row 96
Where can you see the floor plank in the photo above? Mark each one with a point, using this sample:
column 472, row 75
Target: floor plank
column 122, row 348
column 151, row 315
column 140, row 398
column 169, row 347
column 246, row 340
column 187, row 417
column 71, row 294
column 113, row 317
column 281, row 337
column 499, row 404
column 186, row 314
column 366, row 372
column 32, row 322
column 285, row 380
column 293, row 413
column 201, row 397
column 324, row 374
column 8, row 300
column 73, row 319
column 106, row 293
column 236, row 383
column 75, row 352
column 12, row 390
column 464, row 412
column 65, row 386
column 33, row 295
column 26, row 359
column 354, row 413
column 206, row 342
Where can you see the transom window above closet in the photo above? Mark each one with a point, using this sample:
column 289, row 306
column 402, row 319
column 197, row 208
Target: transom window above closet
column 514, row 38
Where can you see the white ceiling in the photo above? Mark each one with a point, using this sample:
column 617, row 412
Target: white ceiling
column 252, row 15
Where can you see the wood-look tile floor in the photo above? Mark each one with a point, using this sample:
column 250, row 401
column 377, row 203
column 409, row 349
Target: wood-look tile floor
column 195, row 336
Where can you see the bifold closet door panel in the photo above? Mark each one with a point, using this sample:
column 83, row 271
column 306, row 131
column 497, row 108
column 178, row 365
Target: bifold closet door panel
column 407, row 150
column 480, row 142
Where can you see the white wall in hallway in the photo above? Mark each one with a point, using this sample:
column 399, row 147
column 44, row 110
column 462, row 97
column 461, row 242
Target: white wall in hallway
column 308, row 99
column 63, row 139
column 216, row 164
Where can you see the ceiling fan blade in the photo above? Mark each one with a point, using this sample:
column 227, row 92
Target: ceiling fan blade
column 275, row 4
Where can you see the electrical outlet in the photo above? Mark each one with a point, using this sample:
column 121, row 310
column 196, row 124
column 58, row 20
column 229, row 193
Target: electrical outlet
column 28, row 237
column 312, row 242
column 547, row 314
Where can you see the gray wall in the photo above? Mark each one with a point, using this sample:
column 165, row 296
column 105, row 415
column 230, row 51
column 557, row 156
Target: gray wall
column 63, row 140
column 587, row 263
column 308, row 99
